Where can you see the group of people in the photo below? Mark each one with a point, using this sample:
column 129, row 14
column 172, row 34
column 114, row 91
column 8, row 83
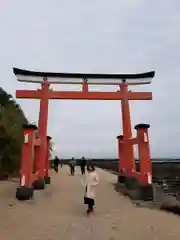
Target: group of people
column 90, row 181
column 72, row 165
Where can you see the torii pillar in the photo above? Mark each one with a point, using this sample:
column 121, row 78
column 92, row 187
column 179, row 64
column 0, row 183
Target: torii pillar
column 127, row 132
column 47, row 162
column 41, row 152
column 122, row 160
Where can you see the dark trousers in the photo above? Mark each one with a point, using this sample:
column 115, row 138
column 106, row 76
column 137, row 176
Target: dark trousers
column 90, row 207
column 56, row 168
column 89, row 202
column 82, row 170
column 72, row 169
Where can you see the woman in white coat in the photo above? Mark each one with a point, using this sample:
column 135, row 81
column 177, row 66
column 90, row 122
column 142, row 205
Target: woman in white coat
column 92, row 180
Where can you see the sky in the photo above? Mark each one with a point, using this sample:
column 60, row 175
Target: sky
column 97, row 36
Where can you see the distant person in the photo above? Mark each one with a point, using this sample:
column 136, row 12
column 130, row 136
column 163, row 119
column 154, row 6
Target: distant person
column 91, row 181
column 56, row 164
column 83, row 165
column 72, row 165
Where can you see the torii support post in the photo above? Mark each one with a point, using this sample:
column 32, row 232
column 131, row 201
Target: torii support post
column 41, row 151
column 25, row 190
column 122, row 160
column 47, row 163
column 127, row 132
column 146, row 186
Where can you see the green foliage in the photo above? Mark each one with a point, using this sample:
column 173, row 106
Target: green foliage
column 11, row 133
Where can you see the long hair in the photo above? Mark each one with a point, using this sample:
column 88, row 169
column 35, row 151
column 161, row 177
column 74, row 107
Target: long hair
column 90, row 167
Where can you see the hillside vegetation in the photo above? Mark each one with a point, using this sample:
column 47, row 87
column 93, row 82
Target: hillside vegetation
column 11, row 134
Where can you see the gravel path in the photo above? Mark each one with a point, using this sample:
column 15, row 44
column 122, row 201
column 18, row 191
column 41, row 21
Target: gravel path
column 58, row 213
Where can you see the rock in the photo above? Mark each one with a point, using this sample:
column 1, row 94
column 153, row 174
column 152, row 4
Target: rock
column 39, row 184
column 24, row 193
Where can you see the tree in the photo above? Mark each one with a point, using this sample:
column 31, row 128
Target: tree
column 12, row 119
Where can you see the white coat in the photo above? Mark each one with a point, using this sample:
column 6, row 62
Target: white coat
column 91, row 182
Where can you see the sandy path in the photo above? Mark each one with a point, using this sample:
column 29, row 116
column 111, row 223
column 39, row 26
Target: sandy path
column 58, row 213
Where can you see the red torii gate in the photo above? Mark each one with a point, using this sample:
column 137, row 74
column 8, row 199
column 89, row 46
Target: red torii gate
column 45, row 94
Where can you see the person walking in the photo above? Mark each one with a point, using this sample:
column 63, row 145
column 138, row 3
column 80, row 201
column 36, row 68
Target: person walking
column 56, row 164
column 90, row 183
column 83, row 165
column 72, row 165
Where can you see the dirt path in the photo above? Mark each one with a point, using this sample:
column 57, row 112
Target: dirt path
column 58, row 213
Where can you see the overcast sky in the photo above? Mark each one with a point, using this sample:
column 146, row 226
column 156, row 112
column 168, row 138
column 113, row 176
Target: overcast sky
column 98, row 36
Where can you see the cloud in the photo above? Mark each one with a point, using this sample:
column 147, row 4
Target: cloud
column 97, row 36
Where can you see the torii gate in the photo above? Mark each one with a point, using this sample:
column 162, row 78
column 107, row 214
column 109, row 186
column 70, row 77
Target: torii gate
column 45, row 94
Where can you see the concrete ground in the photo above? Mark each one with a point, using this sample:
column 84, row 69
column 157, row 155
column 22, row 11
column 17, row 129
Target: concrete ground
column 58, row 213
